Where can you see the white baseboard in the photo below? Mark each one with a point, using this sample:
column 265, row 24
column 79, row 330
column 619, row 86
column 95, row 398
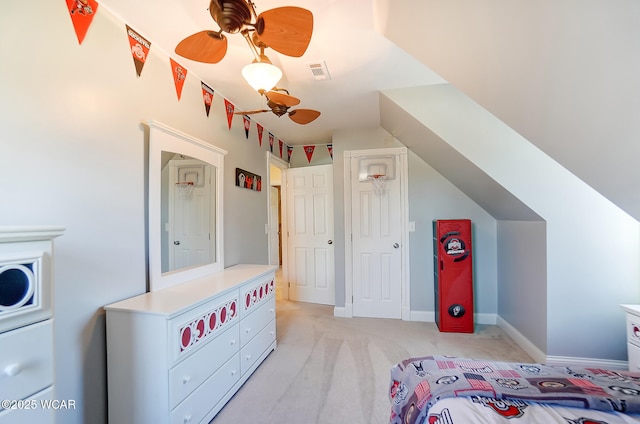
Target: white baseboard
column 526, row 345
column 588, row 362
column 345, row 311
column 542, row 358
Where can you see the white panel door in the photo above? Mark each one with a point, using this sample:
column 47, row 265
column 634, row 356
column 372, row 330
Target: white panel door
column 377, row 250
column 189, row 223
column 310, row 234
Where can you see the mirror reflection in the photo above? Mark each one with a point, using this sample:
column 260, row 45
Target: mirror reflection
column 187, row 216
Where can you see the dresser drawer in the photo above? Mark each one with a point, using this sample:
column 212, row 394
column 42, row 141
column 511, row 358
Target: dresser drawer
column 196, row 327
column 31, row 415
column 190, row 373
column 256, row 293
column 634, row 357
column 633, row 329
column 256, row 321
column 26, row 360
column 256, row 347
column 195, row 407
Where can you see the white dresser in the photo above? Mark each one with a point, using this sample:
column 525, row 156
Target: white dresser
column 26, row 324
column 177, row 355
column 633, row 336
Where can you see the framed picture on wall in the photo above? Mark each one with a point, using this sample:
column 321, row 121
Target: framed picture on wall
column 248, row 180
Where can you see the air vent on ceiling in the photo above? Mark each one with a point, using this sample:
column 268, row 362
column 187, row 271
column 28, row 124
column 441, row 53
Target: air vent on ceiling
column 319, row 70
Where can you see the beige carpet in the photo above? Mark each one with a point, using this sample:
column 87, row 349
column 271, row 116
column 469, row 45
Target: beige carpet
column 336, row 370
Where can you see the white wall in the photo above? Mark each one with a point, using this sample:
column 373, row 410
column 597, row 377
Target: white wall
column 73, row 154
column 430, row 197
column 522, row 279
column 588, row 275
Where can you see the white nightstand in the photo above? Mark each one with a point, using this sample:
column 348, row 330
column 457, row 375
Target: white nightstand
column 633, row 336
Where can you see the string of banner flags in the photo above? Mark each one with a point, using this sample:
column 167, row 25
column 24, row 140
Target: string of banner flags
column 82, row 13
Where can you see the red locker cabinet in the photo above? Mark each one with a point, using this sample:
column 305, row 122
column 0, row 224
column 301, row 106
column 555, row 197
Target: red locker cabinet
column 453, row 275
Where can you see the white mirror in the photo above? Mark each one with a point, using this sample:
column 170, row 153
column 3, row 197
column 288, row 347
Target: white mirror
column 185, row 207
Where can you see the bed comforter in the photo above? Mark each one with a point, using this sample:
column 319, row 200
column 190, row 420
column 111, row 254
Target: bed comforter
column 507, row 389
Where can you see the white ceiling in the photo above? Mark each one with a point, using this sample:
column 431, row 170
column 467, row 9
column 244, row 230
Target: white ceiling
column 359, row 59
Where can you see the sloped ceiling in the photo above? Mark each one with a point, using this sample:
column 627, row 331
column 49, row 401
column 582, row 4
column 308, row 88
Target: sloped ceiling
column 563, row 74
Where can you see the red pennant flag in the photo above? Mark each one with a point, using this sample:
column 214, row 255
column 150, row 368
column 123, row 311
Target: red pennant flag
column 229, row 107
column 280, row 142
column 179, row 75
column 330, row 148
column 260, row 129
column 271, row 142
column 309, row 152
column 289, row 152
column 139, row 49
column 82, row 12
column 247, row 125
column 207, row 96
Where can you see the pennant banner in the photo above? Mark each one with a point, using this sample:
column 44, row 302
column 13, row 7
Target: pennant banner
column 281, row 144
column 179, row 75
column 308, row 150
column 82, row 12
column 207, row 96
column 330, row 148
column 139, row 49
column 289, row 152
column 229, row 107
column 271, row 142
column 260, row 129
column 247, row 125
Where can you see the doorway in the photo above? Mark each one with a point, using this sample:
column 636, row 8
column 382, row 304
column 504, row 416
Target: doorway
column 277, row 221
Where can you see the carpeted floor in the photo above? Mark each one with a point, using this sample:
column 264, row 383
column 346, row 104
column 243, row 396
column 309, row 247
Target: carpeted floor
column 336, row 370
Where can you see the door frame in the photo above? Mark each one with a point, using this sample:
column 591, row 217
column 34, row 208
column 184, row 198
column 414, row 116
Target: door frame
column 283, row 166
column 403, row 174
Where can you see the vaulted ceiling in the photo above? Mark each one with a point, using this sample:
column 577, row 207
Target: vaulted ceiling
column 565, row 74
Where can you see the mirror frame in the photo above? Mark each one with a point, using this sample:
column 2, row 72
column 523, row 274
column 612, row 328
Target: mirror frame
column 164, row 138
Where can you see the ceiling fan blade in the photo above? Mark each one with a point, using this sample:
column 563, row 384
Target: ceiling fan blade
column 303, row 116
column 250, row 112
column 282, row 99
column 203, row 46
column 286, row 30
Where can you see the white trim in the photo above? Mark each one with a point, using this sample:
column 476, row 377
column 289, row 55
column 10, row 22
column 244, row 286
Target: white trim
column 283, row 166
column 164, row 138
column 405, row 284
column 423, row 316
column 588, row 362
column 485, row 319
column 522, row 341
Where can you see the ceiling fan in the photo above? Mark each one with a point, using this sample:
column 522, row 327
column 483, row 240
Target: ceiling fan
column 279, row 103
column 286, row 30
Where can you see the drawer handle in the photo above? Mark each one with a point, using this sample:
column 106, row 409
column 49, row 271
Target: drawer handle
column 233, row 342
column 272, row 310
column 248, row 330
column 233, row 372
column 12, row 370
column 186, row 379
column 248, row 357
column 187, row 418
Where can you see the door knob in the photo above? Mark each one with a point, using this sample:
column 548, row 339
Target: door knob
column 177, row 242
column 330, row 242
column 396, row 245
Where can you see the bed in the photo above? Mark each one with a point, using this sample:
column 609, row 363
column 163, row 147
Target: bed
column 450, row 390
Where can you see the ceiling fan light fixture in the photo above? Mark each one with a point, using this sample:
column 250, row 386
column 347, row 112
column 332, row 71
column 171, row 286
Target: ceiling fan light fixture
column 262, row 75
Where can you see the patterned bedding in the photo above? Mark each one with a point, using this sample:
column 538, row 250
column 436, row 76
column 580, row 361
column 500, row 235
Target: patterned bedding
column 426, row 390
